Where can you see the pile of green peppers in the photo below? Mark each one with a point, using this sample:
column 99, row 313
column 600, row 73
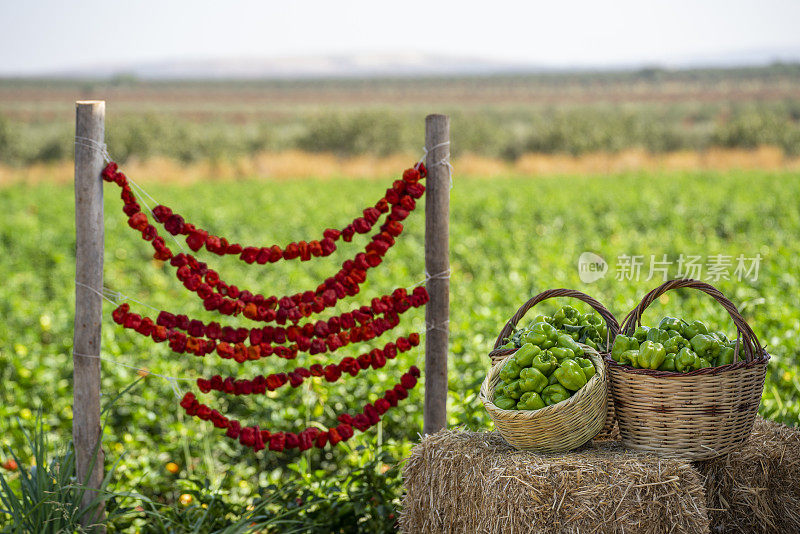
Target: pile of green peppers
column 548, row 368
column 674, row 345
column 588, row 328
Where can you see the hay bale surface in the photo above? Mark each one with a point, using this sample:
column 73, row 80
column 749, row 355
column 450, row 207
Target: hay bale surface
column 474, row 482
column 756, row 488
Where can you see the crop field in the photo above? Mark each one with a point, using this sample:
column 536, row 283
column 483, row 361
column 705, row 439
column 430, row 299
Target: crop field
column 648, row 168
column 511, row 237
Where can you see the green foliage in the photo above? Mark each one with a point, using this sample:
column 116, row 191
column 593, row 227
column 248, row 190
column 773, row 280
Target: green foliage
column 510, row 238
column 356, row 133
column 361, row 500
column 45, row 497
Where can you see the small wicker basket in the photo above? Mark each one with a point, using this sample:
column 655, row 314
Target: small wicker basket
column 697, row 415
column 558, row 428
column 498, row 354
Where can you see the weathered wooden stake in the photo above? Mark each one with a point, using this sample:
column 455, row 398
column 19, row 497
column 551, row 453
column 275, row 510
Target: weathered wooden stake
column 89, row 233
column 437, row 265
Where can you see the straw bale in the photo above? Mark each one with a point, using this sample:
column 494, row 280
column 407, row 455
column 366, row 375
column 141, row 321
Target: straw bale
column 757, row 487
column 474, row 482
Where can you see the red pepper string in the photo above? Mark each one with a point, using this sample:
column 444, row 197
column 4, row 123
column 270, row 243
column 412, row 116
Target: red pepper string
column 387, row 305
column 229, row 300
column 233, row 344
column 197, row 237
column 376, row 358
column 258, row 439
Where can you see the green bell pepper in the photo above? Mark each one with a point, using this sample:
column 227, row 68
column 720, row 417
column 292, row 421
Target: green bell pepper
column 552, row 379
column 510, row 370
column 686, row 361
column 567, row 342
column 703, row 363
column 554, row 394
column 641, row 333
column 671, row 323
column 591, row 319
column 656, row 335
column 524, row 356
column 540, row 319
column 705, row 346
column 504, row 403
column 570, row 375
column 561, row 353
column 545, row 362
column 531, row 379
column 623, row 344
column 587, row 366
column 694, row 328
column 566, row 315
column 513, row 389
column 720, row 336
column 725, row 356
column 530, row 401
column 602, row 330
column 668, row 364
column 630, row 357
column 675, row 344
column 651, row 355
column 542, row 334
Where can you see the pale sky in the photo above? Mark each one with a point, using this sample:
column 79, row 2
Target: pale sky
column 54, row 35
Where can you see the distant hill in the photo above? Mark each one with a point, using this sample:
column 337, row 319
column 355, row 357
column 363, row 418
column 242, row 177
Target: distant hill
column 387, row 65
column 334, row 66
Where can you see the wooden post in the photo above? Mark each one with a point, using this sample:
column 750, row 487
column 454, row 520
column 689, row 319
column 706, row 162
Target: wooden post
column 89, row 233
column 437, row 266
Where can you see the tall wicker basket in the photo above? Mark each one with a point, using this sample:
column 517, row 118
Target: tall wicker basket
column 697, row 415
column 498, row 354
column 558, row 428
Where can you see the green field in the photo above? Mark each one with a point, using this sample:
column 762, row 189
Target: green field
column 510, row 238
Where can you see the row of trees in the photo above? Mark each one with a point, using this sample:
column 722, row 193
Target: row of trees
column 498, row 132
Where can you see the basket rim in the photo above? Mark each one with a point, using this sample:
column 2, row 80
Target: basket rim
column 599, row 378
column 747, row 339
column 611, row 321
column 707, row 371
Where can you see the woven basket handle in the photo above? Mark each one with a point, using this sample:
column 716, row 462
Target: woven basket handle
column 608, row 317
column 750, row 342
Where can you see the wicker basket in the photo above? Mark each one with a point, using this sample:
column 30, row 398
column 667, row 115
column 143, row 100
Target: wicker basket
column 697, row 415
column 498, row 354
column 561, row 427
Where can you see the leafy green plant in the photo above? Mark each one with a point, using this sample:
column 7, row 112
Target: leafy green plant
column 45, row 497
column 363, row 499
column 202, row 509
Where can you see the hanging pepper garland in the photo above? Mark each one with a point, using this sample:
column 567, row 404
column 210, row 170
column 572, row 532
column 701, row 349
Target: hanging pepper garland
column 396, row 302
column 217, row 295
column 258, row 439
column 259, row 346
column 376, row 358
column 198, row 238
column 362, row 324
